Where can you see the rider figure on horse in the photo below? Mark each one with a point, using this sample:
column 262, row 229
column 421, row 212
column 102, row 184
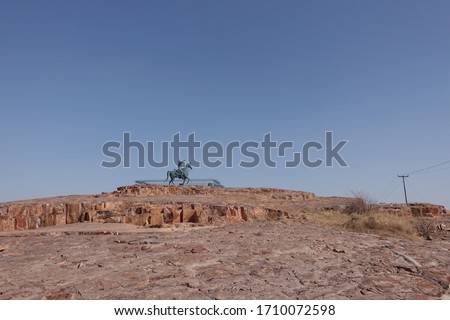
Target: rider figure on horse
column 181, row 173
column 181, row 165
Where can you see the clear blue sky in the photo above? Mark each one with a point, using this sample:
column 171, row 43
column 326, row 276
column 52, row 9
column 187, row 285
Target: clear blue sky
column 75, row 74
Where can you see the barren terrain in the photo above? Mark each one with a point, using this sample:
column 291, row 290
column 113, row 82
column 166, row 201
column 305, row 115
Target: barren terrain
column 206, row 243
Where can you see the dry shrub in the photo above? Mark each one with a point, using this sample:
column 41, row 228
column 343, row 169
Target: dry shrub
column 383, row 224
column 331, row 219
column 361, row 203
column 380, row 223
column 425, row 226
column 360, row 215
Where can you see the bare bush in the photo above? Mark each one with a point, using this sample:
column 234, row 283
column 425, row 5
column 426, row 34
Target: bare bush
column 361, row 203
column 380, row 223
column 425, row 227
column 384, row 224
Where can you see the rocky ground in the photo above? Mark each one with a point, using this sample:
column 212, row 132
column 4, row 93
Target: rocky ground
column 280, row 257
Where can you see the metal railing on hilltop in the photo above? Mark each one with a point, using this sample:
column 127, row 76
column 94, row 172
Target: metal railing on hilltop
column 197, row 182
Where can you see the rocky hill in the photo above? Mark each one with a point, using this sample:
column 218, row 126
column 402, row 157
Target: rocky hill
column 193, row 242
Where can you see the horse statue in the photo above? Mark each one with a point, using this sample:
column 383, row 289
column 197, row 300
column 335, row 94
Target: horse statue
column 181, row 173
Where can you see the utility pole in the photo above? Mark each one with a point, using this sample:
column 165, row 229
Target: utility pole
column 404, row 186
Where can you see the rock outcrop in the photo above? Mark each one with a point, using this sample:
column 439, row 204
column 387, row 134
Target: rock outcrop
column 149, row 205
column 413, row 209
column 156, row 205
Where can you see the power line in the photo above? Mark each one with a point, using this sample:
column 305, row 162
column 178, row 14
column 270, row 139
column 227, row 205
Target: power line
column 417, row 191
column 389, row 189
column 435, row 170
column 428, row 168
column 391, row 186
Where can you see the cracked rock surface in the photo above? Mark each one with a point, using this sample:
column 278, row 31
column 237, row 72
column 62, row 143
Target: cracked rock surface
column 252, row 260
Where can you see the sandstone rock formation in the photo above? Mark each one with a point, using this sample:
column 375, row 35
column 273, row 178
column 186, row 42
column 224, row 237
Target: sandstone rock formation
column 414, row 209
column 152, row 205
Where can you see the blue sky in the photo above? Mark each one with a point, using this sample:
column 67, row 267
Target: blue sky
column 75, row 74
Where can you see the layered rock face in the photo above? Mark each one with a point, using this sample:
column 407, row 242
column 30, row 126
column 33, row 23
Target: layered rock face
column 149, row 205
column 414, row 209
column 426, row 210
